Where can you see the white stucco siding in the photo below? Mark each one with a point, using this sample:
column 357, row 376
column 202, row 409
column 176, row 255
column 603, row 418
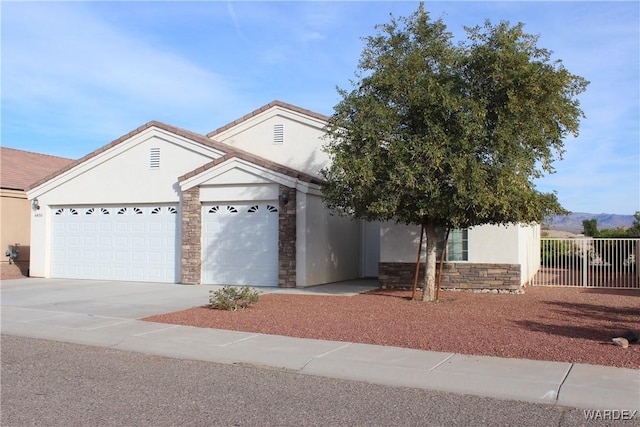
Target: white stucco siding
column 125, row 175
column 494, row 244
column 487, row 243
column 331, row 245
column 234, row 184
column 301, row 146
column 529, row 250
column 40, row 241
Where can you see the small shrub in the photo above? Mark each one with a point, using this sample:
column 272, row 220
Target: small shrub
column 233, row 298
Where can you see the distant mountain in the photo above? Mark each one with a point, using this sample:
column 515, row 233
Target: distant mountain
column 573, row 222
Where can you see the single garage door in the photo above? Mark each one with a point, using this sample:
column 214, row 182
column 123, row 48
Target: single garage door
column 240, row 244
column 136, row 243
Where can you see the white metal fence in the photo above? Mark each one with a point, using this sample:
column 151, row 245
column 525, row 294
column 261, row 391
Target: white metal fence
column 589, row 262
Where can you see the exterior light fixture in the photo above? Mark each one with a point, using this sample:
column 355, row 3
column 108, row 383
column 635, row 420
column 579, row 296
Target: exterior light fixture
column 35, row 204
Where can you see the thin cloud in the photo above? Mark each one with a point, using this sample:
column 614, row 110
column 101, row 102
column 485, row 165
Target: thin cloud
column 66, row 64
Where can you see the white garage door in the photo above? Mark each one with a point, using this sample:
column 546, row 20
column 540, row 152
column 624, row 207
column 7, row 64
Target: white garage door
column 240, row 244
column 115, row 243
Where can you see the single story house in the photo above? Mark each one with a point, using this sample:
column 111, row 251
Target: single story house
column 241, row 205
column 18, row 170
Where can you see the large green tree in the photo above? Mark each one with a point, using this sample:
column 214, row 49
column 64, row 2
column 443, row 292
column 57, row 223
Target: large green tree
column 449, row 135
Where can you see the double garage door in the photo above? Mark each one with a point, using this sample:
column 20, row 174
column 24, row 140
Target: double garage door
column 139, row 243
column 135, row 243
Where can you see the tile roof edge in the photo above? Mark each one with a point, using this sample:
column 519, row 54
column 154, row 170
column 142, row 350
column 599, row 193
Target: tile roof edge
column 275, row 103
column 256, row 160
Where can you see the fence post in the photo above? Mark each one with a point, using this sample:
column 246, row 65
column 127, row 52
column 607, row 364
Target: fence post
column 585, row 263
column 636, row 260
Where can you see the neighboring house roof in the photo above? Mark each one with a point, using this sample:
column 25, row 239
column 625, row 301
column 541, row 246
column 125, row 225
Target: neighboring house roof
column 264, row 108
column 20, row 169
column 224, row 148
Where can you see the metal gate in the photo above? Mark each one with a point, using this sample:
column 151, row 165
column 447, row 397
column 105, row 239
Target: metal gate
column 589, row 262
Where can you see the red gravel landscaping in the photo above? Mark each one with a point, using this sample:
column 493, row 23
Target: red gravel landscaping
column 558, row 324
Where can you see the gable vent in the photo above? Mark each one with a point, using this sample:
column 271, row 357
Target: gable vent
column 278, row 134
column 154, row 158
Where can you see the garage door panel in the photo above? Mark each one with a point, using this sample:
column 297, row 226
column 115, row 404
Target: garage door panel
column 103, row 271
column 105, row 241
column 138, row 256
column 155, row 257
column 115, row 243
column 138, row 241
column 138, row 228
column 75, row 271
column 137, row 273
column 240, row 244
column 156, row 227
column 105, row 227
column 121, row 273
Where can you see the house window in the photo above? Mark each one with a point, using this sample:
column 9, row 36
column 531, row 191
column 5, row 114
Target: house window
column 457, row 245
column 278, row 134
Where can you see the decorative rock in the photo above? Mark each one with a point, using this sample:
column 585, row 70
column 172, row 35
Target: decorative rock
column 622, row 342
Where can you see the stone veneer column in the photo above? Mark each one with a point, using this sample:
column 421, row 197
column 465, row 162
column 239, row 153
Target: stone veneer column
column 191, row 231
column 287, row 238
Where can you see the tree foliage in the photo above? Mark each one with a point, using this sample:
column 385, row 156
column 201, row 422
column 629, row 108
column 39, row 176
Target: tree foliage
column 590, row 227
column 634, row 230
column 449, row 135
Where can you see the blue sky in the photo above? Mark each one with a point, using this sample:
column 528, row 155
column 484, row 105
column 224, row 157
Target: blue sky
column 77, row 75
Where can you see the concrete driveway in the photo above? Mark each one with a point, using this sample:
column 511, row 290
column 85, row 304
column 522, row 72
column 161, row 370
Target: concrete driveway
column 130, row 300
column 127, row 300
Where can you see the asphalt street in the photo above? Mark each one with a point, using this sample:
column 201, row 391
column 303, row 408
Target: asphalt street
column 48, row 383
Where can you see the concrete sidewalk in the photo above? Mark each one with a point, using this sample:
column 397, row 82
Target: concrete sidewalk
column 102, row 313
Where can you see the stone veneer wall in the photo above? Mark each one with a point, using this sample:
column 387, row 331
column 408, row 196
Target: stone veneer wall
column 454, row 275
column 191, row 230
column 287, row 238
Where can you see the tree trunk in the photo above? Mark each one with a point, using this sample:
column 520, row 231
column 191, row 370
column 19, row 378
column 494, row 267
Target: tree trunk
column 416, row 276
column 429, row 291
column 441, row 264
